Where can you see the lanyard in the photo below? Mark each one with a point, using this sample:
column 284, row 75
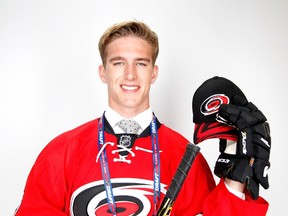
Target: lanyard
column 105, row 167
column 156, row 163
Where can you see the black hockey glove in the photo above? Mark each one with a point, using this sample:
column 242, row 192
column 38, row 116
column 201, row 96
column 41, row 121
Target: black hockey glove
column 250, row 162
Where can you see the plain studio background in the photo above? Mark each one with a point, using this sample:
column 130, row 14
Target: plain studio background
column 49, row 81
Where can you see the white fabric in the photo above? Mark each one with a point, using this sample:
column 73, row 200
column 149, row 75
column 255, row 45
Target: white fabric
column 143, row 119
column 231, row 147
column 235, row 192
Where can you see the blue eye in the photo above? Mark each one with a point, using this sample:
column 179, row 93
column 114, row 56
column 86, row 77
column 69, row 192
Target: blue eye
column 118, row 63
column 141, row 64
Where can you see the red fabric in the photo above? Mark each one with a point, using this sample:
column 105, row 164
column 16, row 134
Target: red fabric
column 66, row 176
column 222, row 202
column 210, row 130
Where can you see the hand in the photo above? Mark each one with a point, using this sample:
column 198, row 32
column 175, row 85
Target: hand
column 250, row 162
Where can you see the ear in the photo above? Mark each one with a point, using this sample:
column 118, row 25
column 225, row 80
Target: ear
column 102, row 73
column 154, row 74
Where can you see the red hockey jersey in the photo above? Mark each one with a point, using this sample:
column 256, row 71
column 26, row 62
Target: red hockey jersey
column 66, row 178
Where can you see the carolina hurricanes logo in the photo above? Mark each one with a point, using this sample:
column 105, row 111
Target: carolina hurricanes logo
column 131, row 198
column 211, row 104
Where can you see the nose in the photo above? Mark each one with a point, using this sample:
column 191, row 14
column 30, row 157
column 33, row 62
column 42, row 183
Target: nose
column 130, row 72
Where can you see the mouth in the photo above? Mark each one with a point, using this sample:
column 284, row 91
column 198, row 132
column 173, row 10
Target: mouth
column 129, row 87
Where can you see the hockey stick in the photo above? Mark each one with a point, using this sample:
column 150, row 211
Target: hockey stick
column 178, row 180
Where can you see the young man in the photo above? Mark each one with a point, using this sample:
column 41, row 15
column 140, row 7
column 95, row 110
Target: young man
column 100, row 169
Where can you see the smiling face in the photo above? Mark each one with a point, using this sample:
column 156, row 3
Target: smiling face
column 128, row 73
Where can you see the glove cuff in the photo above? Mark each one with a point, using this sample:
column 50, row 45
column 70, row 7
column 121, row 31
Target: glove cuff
column 234, row 167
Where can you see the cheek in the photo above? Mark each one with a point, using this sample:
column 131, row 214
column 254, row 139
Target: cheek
column 113, row 80
column 110, row 76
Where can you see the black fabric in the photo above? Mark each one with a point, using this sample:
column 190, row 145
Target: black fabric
column 238, row 168
column 206, row 102
column 213, row 86
column 220, row 100
column 253, row 144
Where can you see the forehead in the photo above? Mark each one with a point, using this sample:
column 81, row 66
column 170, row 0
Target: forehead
column 127, row 46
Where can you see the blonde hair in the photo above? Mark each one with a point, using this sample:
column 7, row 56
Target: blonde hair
column 128, row 28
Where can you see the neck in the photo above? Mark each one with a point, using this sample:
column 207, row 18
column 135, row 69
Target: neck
column 128, row 112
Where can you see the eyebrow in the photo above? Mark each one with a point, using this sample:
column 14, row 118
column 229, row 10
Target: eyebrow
column 122, row 58
column 143, row 59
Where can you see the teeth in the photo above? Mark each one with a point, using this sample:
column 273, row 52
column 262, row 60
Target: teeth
column 130, row 88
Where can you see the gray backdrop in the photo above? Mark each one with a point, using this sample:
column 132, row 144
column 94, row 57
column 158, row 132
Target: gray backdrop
column 49, row 81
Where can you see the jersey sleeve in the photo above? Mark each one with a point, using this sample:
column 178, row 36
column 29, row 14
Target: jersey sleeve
column 221, row 202
column 197, row 186
column 45, row 189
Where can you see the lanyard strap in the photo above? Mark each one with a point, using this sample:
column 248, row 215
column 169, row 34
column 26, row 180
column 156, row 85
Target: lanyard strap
column 156, row 163
column 105, row 167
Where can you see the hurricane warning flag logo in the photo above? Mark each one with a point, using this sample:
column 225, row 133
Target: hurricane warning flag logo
column 132, row 196
column 212, row 104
